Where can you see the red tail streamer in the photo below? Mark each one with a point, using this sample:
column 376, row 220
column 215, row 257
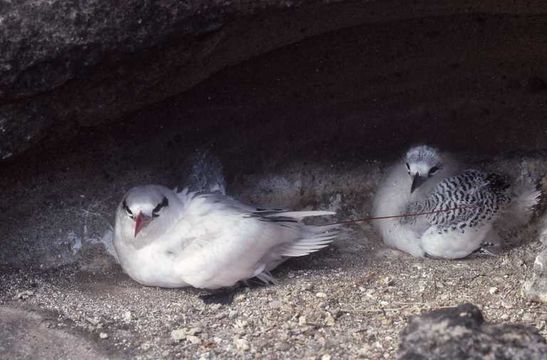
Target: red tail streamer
column 401, row 215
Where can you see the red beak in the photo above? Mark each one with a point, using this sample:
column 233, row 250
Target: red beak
column 140, row 222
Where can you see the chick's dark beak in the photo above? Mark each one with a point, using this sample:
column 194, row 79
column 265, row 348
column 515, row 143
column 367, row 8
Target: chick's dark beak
column 417, row 180
column 141, row 221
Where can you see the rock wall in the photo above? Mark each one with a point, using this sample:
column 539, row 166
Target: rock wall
column 65, row 65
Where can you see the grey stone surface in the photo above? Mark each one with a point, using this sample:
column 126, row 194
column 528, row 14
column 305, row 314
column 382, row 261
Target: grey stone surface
column 31, row 335
column 85, row 62
column 461, row 333
column 535, row 288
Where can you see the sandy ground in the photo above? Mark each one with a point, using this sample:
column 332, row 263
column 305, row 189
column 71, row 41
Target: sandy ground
column 350, row 300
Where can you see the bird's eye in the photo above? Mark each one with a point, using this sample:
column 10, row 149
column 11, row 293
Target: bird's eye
column 127, row 210
column 408, row 166
column 433, row 170
column 161, row 205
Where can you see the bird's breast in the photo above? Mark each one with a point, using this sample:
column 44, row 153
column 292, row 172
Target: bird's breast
column 152, row 265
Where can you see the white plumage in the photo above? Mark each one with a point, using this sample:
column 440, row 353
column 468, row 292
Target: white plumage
column 476, row 202
column 422, row 166
column 207, row 240
column 485, row 206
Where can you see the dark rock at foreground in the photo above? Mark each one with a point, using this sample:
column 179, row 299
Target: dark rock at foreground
column 461, row 333
column 30, row 335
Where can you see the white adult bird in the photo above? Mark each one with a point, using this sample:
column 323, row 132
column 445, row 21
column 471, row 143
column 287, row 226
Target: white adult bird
column 207, row 240
column 411, row 179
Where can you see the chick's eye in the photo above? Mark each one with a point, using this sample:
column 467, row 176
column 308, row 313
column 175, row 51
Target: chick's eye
column 433, row 170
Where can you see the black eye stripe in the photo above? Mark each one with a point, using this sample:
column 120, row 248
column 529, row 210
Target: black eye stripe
column 126, row 208
column 161, row 205
column 433, row 170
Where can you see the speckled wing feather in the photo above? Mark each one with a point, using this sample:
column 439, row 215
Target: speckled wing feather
column 466, row 200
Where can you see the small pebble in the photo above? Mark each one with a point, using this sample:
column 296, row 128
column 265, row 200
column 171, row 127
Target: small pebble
column 241, row 344
column 307, row 287
column 23, row 295
column 329, row 320
column 127, row 316
column 364, row 352
column 215, row 307
column 178, row 334
column 193, row 339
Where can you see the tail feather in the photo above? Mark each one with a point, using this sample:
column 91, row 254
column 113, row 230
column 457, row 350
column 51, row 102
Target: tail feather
column 299, row 215
column 311, row 238
column 520, row 209
column 314, row 238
